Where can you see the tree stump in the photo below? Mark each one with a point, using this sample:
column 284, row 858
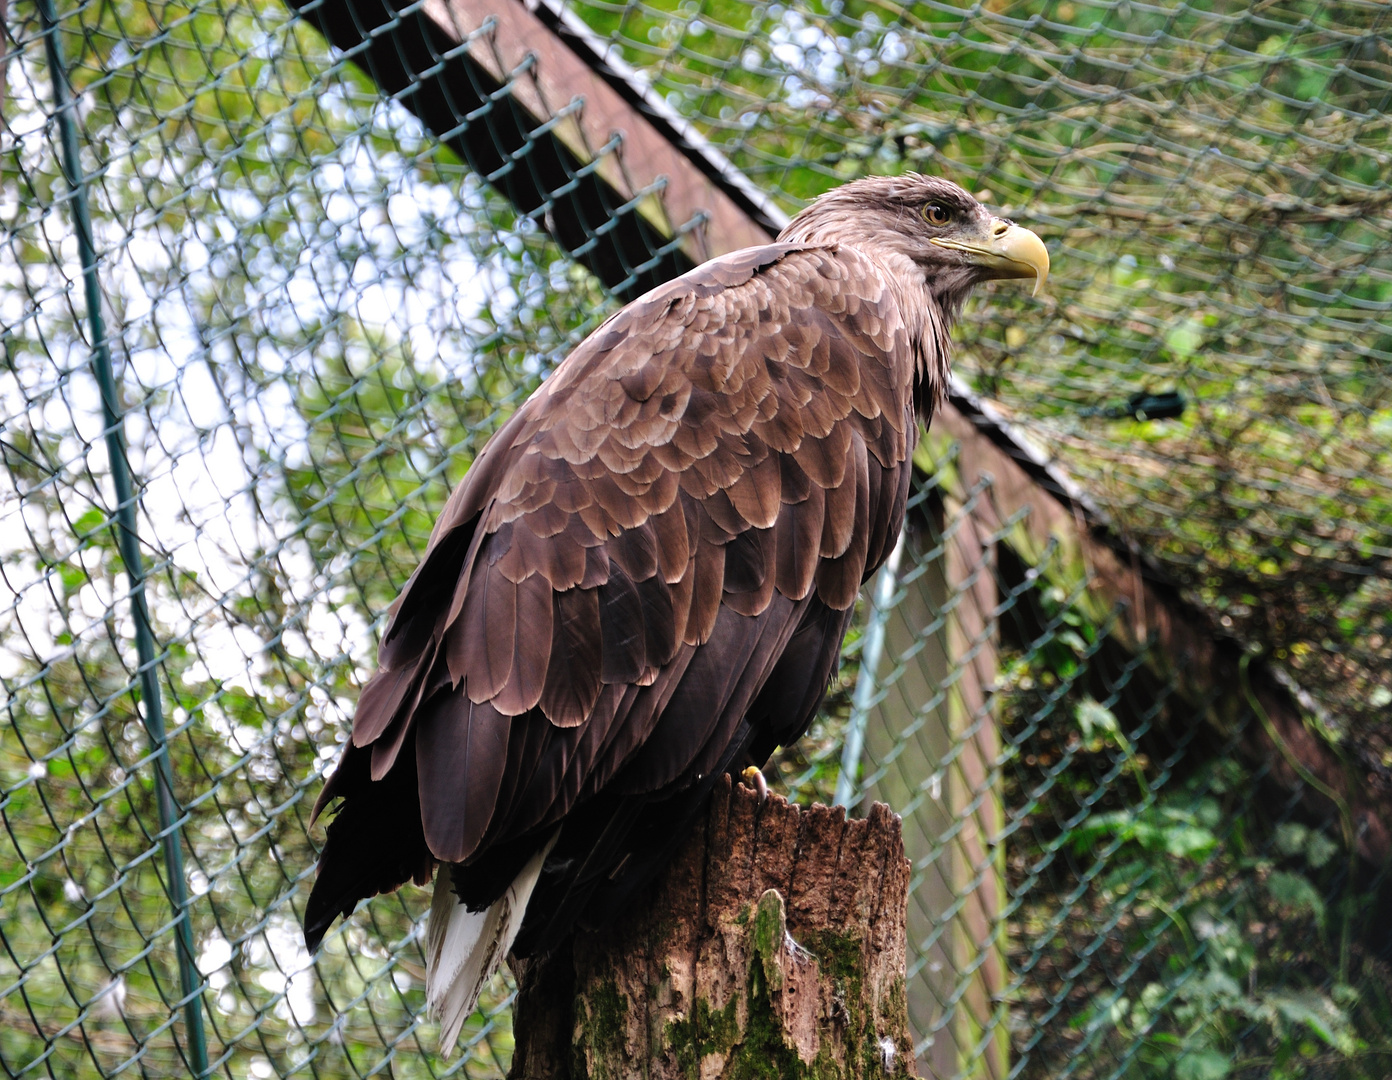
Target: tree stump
column 773, row 946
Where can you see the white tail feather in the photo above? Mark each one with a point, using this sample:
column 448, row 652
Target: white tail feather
column 465, row 948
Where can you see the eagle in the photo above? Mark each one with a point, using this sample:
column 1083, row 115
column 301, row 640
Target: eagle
column 643, row 581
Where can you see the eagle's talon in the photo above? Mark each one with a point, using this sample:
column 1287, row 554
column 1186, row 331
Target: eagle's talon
column 754, row 778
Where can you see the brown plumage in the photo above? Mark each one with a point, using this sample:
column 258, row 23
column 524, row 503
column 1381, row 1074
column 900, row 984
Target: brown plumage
column 644, row 579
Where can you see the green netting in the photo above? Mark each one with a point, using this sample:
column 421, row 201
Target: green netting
column 316, row 313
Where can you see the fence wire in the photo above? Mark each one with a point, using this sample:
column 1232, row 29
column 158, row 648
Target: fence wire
column 316, row 313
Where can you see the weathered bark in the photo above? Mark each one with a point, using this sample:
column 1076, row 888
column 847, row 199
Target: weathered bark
column 773, row 946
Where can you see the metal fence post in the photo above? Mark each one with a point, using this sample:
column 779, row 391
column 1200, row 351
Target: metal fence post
column 170, row 812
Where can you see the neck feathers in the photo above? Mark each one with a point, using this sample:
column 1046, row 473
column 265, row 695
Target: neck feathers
column 930, row 302
column 932, row 359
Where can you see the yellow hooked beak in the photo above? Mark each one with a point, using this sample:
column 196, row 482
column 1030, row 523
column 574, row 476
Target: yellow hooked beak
column 1009, row 252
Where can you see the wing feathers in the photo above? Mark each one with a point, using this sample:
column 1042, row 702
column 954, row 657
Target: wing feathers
column 682, row 592
column 799, row 544
column 531, row 648
column 380, row 699
column 529, row 740
column 623, row 653
column 659, row 623
column 838, row 579
column 479, row 645
column 670, row 539
column 708, row 573
column 839, row 516
column 635, row 550
column 751, row 570
column 572, row 676
column 461, row 748
column 745, row 563
column 794, row 486
column 721, row 513
column 757, row 494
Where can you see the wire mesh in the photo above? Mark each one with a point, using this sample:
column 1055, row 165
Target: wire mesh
column 1213, row 177
column 317, row 313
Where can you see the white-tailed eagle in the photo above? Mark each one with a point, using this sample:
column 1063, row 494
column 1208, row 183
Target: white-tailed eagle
column 644, row 579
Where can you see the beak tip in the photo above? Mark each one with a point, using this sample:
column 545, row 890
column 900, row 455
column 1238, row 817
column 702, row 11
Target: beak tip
column 1027, row 252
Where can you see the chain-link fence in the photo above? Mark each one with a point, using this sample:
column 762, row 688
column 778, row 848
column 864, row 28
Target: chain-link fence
column 263, row 298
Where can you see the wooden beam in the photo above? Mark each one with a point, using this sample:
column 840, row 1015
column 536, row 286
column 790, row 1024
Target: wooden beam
column 739, row 214
column 1202, row 665
column 974, row 792
column 557, row 78
column 604, row 173
column 933, row 752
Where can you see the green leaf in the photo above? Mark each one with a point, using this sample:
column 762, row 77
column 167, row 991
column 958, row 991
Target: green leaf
column 1185, row 339
column 1319, row 849
column 89, row 522
column 1203, row 1065
column 1095, row 717
column 1295, row 893
column 1318, row 1014
column 72, row 577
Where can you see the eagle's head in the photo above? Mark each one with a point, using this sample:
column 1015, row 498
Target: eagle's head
column 952, row 239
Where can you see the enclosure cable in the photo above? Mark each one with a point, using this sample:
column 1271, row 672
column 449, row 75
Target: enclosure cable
column 866, row 682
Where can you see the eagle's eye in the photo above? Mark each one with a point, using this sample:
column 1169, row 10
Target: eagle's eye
column 936, row 214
